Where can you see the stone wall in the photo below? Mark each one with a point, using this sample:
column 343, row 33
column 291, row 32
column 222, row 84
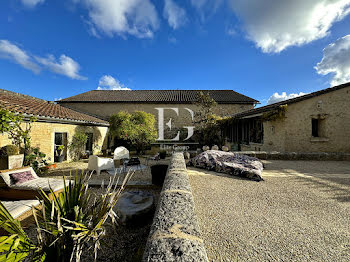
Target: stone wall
column 175, row 233
column 294, row 132
column 318, row 156
column 43, row 136
column 105, row 110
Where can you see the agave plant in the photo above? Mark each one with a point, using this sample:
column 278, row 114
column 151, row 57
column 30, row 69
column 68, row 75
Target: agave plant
column 17, row 246
column 66, row 225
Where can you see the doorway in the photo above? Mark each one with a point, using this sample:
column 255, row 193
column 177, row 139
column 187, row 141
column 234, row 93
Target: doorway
column 60, row 146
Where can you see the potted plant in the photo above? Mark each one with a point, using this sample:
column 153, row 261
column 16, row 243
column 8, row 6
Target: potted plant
column 10, row 157
column 59, row 153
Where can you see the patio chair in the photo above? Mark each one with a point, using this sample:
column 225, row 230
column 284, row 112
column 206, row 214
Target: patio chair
column 100, row 163
column 24, row 183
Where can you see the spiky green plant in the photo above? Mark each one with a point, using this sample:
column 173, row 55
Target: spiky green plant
column 67, row 224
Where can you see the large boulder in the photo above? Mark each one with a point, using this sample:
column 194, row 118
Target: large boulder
column 229, row 163
column 134, row 207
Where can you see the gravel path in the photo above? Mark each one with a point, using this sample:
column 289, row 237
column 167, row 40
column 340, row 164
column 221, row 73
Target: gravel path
column 301, row 212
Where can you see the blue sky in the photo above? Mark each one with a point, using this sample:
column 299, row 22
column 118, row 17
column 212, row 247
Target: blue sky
column 56, row 49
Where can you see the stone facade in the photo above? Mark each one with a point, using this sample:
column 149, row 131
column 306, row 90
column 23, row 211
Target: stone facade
column 294, row 132
column 105, row 110
column 43, row 136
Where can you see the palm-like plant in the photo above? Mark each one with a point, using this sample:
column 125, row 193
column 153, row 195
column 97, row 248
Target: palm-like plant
column 17, row 245
column 67, row 224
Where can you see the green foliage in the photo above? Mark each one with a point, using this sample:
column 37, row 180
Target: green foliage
column 36, row 160
column 137, row 128
column 207, row 126
column 77, row 146
column 60, row 150
column 17, row 246
column 9, row 150
column 7, row 120
column 17, row 129
column 70, row 223
column 276, row 114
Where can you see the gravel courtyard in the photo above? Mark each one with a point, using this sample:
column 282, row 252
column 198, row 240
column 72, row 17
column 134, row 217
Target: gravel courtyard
column 301, row 212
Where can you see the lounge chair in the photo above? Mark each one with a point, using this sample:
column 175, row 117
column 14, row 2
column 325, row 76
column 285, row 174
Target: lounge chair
column 100, row 163
column 20, row 210
column 24, row 183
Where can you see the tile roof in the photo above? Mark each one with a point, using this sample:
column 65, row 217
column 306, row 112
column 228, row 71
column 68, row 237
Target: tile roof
column 158, row 96
column 29, row 105
column 267, row 108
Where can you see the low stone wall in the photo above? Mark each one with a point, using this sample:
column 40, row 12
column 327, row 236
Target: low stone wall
column 297, row 155
column 175, row 233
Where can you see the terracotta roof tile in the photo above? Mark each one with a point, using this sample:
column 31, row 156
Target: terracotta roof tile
column 24, row 104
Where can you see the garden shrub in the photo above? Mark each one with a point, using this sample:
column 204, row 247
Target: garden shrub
column 77, row 146
column 9, row 150
column 37, row 160
column 137, row 128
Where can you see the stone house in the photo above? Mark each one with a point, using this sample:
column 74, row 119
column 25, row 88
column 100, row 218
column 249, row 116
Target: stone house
column 104, row 103
column 316, row 122
column 55, row 124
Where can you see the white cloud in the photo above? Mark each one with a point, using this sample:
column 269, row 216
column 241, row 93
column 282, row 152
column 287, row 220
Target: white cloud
column 120, row 17
column 206, row 7
column 108, row 82
column 275, row 98
column 336, row 61
column 206, row 4
column 15, row 54
column 32, row 3
column 65, row 66
column 175, row 15
column 275, row 25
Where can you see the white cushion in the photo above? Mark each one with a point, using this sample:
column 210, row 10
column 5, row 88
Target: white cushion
column 17, row 208
column 43, row 183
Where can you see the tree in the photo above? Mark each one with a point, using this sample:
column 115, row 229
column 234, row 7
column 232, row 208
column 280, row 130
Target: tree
column 207, row 127
column 77, row 146
column 17, row 129
column 137, row 128
column 7, row 120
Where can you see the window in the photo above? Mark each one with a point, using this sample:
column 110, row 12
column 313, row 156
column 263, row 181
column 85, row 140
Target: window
column 318, row 127
column 315, row 127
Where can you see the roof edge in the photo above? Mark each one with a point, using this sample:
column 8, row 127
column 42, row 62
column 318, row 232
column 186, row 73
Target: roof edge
column 291, row 101
column 63, row 120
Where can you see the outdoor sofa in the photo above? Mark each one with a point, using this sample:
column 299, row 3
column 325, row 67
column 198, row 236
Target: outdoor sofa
column 24, row 183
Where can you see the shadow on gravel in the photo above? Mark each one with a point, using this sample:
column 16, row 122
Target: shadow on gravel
column 336, row 192
column 203, row 172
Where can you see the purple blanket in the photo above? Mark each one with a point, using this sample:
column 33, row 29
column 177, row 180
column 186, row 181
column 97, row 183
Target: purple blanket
column 229, row 163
